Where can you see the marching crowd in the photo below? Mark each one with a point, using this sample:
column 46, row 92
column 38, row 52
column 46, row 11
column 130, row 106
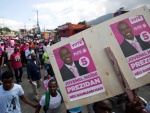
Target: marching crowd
column 16, row 53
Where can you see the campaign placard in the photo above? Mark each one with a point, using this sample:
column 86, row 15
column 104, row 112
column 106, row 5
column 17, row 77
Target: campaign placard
column 9, row 51
column 133, row 36
column 78, row 72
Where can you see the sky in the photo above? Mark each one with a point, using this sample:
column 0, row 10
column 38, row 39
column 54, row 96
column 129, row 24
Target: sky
column 20, row 14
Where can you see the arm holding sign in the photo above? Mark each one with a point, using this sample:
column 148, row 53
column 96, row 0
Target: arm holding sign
column 135, row 106
column 134, row 103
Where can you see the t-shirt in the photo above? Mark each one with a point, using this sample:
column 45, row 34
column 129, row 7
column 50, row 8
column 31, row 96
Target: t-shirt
column 27, row 52
column 75, row 110
column 9, row 100
column 40, row 50
column 16, row 61
column 45, row 57
column 45, row 47
column 55, row 102
column 22, row 48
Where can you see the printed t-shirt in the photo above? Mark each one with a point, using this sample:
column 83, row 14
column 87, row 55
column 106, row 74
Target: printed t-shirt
column 16, row 61
column 40, row 50
column 9, row 100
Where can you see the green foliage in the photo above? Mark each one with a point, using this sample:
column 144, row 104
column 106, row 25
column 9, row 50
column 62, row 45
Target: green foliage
column 82, row 22
column 6, row 29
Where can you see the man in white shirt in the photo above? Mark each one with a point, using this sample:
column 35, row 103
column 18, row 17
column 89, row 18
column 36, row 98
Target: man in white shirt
column 28, row 53
column 131, row 44
column 10, row 94
column 55, row 99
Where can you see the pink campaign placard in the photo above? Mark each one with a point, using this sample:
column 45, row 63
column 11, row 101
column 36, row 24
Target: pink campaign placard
column 78, row 70
column 133, row 36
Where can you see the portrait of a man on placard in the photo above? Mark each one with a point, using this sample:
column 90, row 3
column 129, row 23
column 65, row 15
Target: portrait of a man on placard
column 133, row 36
column 131, row 44
column 70, row 68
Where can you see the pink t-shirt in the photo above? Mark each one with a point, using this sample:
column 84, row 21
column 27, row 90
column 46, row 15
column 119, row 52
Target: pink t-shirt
column 16, row 61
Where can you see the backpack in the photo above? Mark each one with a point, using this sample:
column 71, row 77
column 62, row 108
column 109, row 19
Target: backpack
column 47, row 99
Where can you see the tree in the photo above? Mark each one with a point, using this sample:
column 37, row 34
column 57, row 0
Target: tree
column 6, row 29
column 82, row 22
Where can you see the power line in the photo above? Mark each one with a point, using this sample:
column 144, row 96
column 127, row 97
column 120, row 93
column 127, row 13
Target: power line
column 65, row 9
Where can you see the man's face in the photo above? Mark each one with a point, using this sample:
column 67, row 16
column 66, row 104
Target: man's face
column 66, row 56
column 16, row 50
column 126, row 31
column 7, row 83
column 53, row 87
column 33, row 57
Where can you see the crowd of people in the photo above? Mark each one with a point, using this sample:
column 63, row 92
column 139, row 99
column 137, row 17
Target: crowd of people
column 32, row 55
column 16, row 52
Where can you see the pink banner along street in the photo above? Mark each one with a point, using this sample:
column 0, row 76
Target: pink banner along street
column 133, row 36
column 78, row 71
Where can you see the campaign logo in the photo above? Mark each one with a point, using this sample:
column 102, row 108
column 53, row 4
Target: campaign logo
column 135, row 19
column 76, row 44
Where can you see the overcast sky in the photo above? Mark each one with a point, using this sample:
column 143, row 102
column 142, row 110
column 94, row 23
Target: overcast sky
column 17, row 14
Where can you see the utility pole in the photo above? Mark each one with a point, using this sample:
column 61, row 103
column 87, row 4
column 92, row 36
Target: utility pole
column 38, row 27
column 2, row 22
column 24, row 28
column 37, row 19
column 44, row 32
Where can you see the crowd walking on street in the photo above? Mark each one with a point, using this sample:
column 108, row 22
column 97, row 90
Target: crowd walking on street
column 15, row 55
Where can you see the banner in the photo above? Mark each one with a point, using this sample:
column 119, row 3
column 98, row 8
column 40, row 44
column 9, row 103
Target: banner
column 9, row 51
column 78, row 71
column 133, row 36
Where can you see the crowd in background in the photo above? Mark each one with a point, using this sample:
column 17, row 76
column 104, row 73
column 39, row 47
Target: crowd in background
column 24, row 46
column 16, row 53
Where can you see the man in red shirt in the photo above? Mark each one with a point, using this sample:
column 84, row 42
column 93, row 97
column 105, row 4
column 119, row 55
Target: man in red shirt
column 22, row 51
column 16, row 64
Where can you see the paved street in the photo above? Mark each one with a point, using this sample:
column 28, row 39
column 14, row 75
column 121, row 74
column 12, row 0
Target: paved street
column 143, row 91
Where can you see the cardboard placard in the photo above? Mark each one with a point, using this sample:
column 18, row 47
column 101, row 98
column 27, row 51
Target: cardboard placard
column 96, row 39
